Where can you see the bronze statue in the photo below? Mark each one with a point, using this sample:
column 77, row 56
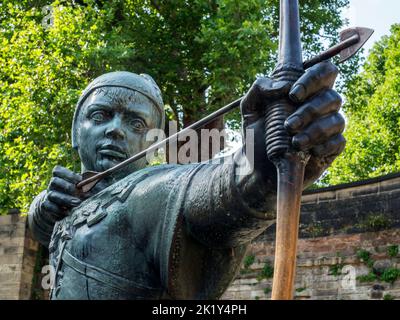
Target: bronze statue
column 170, row 231
column 181, row 231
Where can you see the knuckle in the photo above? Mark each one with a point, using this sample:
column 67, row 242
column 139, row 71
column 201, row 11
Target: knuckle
column 318, row 131
column 335, row 69
column 339, row 119
column 47, row 206
column 342, row 142
column 312, row 109
column 56, row 169
column 50, row 195
column 324, row 134
column 335, row 97
column 52, row 182
column 260, row 82
column 264, row 85
column 341, row 139
column 330, row 67
column 45, row 203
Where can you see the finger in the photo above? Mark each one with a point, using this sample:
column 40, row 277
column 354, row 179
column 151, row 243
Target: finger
column 319, row 132
column 326, row 102
column 58, row 184
column 63, row 199
column 333, row 147
column 320, row 76
column 262, row 91
column 54, row 211
column 66, row 174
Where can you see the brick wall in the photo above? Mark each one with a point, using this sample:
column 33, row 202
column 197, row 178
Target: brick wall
column 17, row 258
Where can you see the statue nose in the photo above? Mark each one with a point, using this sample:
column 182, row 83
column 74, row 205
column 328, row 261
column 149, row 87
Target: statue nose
column 114, row 130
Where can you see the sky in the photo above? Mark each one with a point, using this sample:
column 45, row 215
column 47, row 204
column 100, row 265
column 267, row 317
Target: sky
column 376, row 14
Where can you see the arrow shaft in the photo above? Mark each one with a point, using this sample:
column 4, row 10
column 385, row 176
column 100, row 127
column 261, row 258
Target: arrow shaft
column 331, row 52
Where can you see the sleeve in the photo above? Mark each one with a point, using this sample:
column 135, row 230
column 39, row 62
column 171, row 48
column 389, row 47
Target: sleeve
column 225, row 210
column 206, row 226
column 39, row 222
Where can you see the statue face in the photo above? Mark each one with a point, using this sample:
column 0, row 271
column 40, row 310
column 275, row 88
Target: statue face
column 112, row 127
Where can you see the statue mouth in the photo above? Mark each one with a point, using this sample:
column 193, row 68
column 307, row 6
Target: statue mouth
column 112, row 151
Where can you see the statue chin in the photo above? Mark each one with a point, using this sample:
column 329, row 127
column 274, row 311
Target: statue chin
column 108, row 163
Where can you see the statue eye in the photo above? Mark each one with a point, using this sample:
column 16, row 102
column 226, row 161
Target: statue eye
column 99, row 116
column 137, row 125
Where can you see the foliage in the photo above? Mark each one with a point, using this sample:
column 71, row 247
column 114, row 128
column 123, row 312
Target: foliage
column 390, row 275
column 393, row 251
column 367, row 277
column 372, row 110
column 315, row 229
column 249, row 260
column 388, row 297
column 267, row 290
column 202, row 53
column 365, row 256
column 267, row 271
column 375, row 222
column 336, row 269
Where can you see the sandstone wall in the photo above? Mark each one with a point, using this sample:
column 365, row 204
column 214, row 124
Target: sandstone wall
column 337, row 226
column 327, row 268
column 17, row 258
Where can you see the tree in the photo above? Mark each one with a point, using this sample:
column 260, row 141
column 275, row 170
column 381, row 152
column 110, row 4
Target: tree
column 373, row 114
column 202, row 53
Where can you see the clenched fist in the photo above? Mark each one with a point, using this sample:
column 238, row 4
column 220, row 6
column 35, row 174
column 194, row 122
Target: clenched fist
column 316, row 125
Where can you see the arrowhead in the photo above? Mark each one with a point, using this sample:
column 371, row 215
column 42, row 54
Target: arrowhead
column 87, row 186
column 363, row 33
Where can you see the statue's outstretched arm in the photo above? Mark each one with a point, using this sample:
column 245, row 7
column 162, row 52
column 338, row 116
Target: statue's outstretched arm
column 236, row 201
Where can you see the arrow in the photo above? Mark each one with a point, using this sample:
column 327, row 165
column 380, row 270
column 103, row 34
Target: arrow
column 352, row 40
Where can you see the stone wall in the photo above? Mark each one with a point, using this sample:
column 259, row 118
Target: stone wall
column 337, row 226
column 327, row 268
column 17, row 258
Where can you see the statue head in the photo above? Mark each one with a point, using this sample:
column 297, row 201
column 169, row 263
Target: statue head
column 112, row 118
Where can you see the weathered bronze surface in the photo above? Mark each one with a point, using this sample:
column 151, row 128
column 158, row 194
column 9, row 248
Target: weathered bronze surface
column 172, row 231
